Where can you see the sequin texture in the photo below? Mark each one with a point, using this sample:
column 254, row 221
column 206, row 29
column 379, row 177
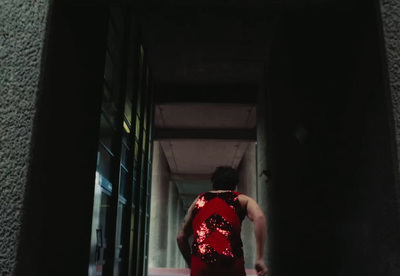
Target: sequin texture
column 217, row 237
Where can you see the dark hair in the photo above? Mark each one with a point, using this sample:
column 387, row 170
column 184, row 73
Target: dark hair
column 225, row 178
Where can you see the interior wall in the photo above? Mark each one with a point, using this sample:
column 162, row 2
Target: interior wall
column 333, row 202
column 21, row 51
column 248, row 186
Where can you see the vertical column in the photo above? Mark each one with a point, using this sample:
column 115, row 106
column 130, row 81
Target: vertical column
column 179, row 261
column 177, row 255
column 390, row 10
column 21, row 51
column 263, row 153
column 58, row 202
column 390, row 43
column 159, row 209
column 173, row 224
column 158, row 243
column 248, row 186
column 262, row 162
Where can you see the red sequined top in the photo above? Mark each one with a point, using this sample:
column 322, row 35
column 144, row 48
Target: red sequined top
column 217, row 245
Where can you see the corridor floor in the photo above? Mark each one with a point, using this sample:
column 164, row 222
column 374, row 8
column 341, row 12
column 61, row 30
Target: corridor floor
column 182, row 271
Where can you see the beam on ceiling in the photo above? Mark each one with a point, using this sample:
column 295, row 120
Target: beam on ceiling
column 205, row 134
column 236, row 93
column 189, row 177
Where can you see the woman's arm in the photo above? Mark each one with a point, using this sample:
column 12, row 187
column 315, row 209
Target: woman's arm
column 256, row 215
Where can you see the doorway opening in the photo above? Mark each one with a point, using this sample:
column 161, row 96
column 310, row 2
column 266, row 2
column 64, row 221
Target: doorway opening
column 190, row 141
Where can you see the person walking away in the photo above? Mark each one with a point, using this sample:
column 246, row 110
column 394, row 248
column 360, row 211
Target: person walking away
column 214, row 219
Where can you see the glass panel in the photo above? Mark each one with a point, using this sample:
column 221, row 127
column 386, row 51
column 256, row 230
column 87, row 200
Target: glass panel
column 128, row 111
column 143, row 160
column 145, row 118
column 134, row 192
column 124, row 155
column 139, row 101
column 149, row 174
column 120, row 238
column 108, row 71
column 106, row 131
column 125, row 137
column 141, row 54
column 113, row 43
column 136, row 150
column 104, row 163
column 149, row 152
column 116, row 85
column 102, row 231
column 137, row 127
column 144, row 141
column 148, row 202
column 149, row 131
column 108, row 106
column 123, row 181
column 132, row 246
column 111, row 74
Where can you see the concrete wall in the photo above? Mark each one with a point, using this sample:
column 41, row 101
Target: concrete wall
column 173, row 225
column 22, row 32
column 263, row 154
column 175, row 219
column 248, row 186
column 38, row 117
column 159, row 216
column 180, row 214
column 65, row 133
column 390, row 16
column 332, row 199
column 166, row 215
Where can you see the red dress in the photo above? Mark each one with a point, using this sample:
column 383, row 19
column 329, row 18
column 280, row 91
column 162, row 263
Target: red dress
column 217, row 246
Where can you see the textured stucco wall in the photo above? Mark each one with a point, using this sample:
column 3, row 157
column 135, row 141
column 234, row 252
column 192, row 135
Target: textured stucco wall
column 248, row 186
column 22, row 32
column 390, row 10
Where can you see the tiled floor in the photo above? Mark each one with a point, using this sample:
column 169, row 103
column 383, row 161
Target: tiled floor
column 182, row 271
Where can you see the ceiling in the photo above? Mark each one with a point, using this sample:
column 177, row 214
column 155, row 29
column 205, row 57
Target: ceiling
column 192, row 159
column 205, row 116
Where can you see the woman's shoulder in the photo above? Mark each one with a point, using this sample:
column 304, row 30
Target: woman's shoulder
column 243, row 200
